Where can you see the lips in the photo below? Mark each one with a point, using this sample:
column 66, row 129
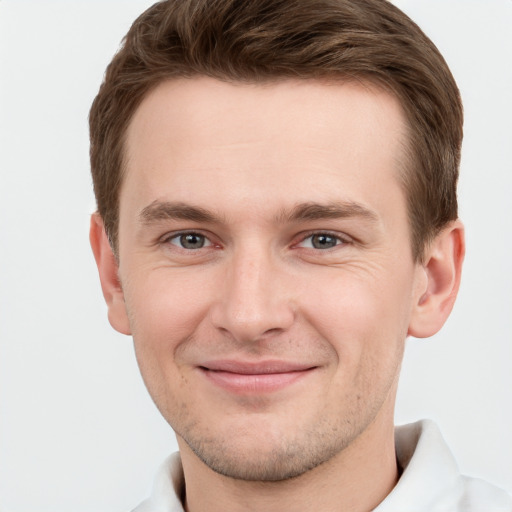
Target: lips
column 254, row 377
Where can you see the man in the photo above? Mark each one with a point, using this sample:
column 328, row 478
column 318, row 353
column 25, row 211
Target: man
column 276, row 188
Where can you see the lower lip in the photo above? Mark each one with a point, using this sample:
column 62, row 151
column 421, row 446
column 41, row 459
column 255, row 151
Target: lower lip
column 259, row 383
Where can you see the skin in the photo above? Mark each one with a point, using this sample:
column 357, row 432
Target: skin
column 299, row 267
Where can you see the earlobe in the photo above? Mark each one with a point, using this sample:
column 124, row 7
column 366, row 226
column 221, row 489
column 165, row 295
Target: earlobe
column 440, row 281
column 108, row 272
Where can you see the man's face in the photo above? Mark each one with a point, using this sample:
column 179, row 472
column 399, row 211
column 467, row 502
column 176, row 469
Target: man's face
column 266, row 266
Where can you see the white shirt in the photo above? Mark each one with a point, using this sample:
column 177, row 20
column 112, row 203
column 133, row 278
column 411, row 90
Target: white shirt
column 430, row 481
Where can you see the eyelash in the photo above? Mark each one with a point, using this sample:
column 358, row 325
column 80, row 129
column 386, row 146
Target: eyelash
column 340, row 240
column 168, row 239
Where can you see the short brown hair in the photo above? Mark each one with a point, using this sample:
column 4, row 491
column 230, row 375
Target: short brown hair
column 261, row 40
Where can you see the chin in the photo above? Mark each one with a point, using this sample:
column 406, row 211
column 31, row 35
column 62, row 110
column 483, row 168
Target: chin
column 269, row 465
column 268, row 457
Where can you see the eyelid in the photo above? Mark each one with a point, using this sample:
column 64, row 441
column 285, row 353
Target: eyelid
column 342, row 238
column 168, row 237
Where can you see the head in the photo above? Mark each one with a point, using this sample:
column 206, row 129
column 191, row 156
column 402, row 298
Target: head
column 368, row 41
column 277, row 210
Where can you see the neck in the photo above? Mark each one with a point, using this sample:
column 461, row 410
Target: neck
column 356, row 479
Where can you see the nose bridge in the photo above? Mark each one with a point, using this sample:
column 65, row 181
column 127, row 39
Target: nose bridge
column 254, row 301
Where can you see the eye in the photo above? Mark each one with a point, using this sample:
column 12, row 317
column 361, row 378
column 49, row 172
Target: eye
column 321, row 241
column 190, row 241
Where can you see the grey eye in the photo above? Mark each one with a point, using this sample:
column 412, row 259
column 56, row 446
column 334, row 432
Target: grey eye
column 323, row 241
column 190, row 241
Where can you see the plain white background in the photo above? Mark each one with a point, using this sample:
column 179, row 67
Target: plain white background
column 78, row 431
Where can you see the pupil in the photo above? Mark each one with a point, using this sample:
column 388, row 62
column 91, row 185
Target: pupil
column 192, row 241
column 323, row 241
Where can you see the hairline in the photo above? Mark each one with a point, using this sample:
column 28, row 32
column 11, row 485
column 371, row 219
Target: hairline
column 405, row 162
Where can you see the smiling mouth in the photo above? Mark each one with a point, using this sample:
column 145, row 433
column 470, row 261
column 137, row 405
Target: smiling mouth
column 254, row 378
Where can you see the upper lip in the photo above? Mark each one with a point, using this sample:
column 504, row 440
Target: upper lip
column 255, row 368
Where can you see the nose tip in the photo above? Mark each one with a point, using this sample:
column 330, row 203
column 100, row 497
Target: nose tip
column 250, row 322
column 253, row 303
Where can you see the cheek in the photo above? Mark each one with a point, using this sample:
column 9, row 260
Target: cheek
column 365, row 321
column 165, row 309
column 360, row 316
column 167, row 302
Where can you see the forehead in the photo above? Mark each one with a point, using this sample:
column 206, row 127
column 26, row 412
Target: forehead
column 290, row 141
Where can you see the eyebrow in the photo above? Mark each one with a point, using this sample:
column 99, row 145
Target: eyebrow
column 167, row 210
column 332, row 210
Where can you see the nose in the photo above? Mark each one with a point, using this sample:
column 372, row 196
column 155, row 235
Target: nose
column 254, row 301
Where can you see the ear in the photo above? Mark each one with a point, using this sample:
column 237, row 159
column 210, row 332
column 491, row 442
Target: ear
column 108, row 269
column 439, row 281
